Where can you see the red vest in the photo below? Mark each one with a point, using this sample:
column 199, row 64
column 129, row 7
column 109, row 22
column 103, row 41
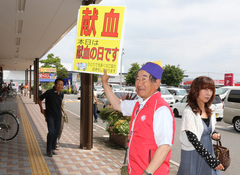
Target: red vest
column 142, row 145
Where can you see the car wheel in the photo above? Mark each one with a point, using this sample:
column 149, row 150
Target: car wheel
column 176, row 101
column 236, row 124
column 176, row 114
column 219, row 119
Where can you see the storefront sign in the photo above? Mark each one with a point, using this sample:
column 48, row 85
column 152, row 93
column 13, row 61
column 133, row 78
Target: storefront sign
column 228, row 79
column 43, row 69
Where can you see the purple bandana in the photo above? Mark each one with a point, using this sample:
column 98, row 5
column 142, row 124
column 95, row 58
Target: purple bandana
column 153, row 69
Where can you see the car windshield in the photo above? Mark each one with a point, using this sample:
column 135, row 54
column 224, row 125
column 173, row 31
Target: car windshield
column 221, row 90
column 181, row 92
column 217, row 100
column 115, row 86
column 164, row 91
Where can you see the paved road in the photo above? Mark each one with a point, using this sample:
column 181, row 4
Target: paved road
column 230, row 138
column 73, row 105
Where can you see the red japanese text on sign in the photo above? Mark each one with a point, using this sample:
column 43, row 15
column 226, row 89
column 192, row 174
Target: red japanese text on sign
column 87, row 53
column 99, row 39
column 88, row 22
column 110, row 25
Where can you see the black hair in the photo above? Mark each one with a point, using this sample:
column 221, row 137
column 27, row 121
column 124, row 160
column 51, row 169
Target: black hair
column 153, row 79
column 58, row 80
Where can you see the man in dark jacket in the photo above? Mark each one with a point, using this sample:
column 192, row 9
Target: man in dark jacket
column 52, row 113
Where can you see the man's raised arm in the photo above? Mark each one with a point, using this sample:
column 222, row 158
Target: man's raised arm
column 113, row 99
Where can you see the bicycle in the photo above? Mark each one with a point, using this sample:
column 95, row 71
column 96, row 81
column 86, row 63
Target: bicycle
column 12, row 93
column 9, row 125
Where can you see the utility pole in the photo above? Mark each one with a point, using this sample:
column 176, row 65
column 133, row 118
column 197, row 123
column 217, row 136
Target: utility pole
column 121, row 68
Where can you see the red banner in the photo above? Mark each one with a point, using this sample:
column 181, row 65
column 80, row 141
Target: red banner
column 228, row 79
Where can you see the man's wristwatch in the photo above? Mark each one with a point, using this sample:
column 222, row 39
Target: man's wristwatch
column 147, row 173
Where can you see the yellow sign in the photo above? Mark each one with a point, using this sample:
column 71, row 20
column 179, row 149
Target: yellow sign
column 69, row 87
column 43, row 69
column 99, row 39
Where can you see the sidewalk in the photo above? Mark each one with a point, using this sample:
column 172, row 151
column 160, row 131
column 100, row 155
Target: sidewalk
column 104, row 158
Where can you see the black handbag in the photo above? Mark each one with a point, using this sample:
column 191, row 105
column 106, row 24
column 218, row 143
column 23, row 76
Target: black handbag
column 222, row 154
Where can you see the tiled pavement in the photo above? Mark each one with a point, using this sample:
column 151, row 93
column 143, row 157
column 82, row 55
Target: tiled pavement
column 104, row 158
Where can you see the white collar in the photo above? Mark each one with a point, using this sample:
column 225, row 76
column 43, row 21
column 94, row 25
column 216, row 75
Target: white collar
column 141, row 102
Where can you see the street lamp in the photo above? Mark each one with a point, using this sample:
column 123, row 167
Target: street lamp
column 121, row 69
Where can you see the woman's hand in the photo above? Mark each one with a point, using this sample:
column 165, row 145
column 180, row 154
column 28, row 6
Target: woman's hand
column 219, row 167
column 216, row 136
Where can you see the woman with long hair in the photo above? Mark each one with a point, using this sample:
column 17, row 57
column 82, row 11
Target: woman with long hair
column 197, row 131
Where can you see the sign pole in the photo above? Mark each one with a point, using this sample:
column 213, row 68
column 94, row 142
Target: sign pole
column 86, row 106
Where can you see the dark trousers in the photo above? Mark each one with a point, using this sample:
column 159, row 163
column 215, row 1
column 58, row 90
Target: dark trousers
column 95, row 112
column 53, row 132
column 61, row 129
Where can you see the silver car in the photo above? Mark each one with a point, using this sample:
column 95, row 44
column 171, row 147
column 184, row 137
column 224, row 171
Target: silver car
column 103, row 101
column 98, row 89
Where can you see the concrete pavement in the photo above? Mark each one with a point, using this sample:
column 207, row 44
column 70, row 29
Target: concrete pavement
column 105, row 157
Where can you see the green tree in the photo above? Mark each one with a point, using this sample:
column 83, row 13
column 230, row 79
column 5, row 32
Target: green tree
column 95, row 78
column 132, row 74
column 55, row 62
column 172, row 75
column 62, row 72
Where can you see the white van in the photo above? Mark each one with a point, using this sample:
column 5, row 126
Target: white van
column 177, row 93
column 231, row 112
column 222, row 91
column 167, row 96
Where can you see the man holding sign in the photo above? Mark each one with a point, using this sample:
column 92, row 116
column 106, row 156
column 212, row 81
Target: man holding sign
column 152, row 126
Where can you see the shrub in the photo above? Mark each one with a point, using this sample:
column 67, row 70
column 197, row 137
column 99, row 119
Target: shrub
column 116, row 122
column 65, row 91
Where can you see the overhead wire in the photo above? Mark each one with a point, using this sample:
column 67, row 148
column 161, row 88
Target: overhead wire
column 177, row 42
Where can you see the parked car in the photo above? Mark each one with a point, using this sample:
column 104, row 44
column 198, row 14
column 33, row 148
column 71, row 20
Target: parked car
column 177, row 93
column 186, row 87
column 217, row 106
column 222, row 91
column 99, row 89
column 231, row 113
column 167, row 96
column 130, row 88
column 103, row 101
column 115, row 87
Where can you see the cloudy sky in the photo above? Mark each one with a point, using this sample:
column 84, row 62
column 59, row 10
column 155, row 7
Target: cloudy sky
column 203, row 37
